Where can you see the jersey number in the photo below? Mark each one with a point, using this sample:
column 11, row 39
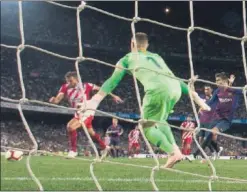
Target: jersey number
column 152, row 60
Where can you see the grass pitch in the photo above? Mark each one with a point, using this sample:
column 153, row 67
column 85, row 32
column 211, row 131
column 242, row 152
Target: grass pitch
column 60, row 174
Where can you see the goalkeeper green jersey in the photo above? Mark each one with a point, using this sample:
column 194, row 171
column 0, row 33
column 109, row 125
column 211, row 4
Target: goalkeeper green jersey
column 150, row 73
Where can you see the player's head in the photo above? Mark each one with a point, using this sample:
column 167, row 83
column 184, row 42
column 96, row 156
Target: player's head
column 221, row 79
column 141, row 41
column 71, row 78
column 189, row 118
column 208, row 90
column 114, row 121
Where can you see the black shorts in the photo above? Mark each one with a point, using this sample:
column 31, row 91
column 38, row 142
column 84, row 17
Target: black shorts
column 202, row 132
column 114, row 142
column 222, row 124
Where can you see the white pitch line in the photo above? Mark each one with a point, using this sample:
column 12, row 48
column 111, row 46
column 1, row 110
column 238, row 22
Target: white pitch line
column 142, row 180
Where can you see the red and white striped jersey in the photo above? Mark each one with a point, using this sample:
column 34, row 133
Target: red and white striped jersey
column 134, row 136
column 75, row 95
column 187, row 125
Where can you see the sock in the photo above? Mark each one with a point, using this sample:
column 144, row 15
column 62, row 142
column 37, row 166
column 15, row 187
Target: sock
column 117, row 151
column 130, row 154
column 113, row 153
column 183, row 151
column 98, row 140
column 137, row 151
column 205, row 143
column 211, row 148
column 188, row 151
column 73, row 140
column 157, row 138
column 215, row 146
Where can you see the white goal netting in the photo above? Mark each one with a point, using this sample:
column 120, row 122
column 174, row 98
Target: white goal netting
column 133, row 21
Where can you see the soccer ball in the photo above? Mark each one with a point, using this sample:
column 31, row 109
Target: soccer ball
column 13, row 155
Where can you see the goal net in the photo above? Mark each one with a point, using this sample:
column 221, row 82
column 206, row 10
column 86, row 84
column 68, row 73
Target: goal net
column 81, row 58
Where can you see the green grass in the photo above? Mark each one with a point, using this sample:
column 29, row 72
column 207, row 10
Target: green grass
column 57, row 173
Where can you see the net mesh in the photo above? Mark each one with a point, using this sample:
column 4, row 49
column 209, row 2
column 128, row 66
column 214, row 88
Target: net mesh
column 81, row 58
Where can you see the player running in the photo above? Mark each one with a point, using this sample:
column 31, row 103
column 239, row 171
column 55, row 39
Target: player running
column 161, row 94
column 75, row 96
column 226, row 101
column 134, row 141
column 115, row 131
column 187, row 135
column 205, row 117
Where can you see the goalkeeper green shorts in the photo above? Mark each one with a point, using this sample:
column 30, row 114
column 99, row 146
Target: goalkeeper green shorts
column 158, row 104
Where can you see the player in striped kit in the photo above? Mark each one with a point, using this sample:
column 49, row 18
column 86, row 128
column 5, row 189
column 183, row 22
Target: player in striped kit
column 134, row 141
column 187, row 135
column 75, row 96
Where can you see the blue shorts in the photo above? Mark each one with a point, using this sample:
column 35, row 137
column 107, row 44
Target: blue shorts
column 114, row 141
column 202, row 132
column 222, row 124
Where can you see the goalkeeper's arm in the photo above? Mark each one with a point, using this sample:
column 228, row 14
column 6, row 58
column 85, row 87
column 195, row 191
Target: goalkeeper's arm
column 186, row 90
column 108, row 86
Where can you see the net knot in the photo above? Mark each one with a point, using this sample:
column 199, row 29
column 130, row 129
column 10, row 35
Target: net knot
column 136, row 19
column 156, row 168
column 245, row 88
column 244, row 38
column 20, row 47
column 80, row 59
column 197, row 130
column 81, row 6
column 193, row 79
column 191, row 29
column 214, row 177
column 142, row 121
column 23, row 100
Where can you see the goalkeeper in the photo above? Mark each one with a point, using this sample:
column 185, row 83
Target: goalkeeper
column 161, row 94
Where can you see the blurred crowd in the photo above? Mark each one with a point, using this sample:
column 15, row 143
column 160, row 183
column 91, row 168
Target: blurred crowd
column 107, row 32
column 43, row 75
column 53, row 138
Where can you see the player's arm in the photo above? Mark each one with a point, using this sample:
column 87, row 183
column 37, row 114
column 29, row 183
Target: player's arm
column 186, row 90
column 116, row 98
column 214, row 99
column 59, row 97
column 109, row 85
column 121, row 131
column 231, row 80
column 108, row 131
column 129, row 135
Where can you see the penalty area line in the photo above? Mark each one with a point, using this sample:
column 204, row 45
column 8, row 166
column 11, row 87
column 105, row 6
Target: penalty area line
column 142, row 180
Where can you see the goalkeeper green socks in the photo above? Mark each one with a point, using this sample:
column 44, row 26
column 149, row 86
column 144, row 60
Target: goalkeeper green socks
column 157, row 138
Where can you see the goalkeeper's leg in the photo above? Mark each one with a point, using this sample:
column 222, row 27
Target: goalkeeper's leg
column 160, row 134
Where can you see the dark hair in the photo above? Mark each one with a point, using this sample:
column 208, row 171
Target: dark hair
column 71, row 74
column 222, row 75
column 141, row 38
column 208, row 86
